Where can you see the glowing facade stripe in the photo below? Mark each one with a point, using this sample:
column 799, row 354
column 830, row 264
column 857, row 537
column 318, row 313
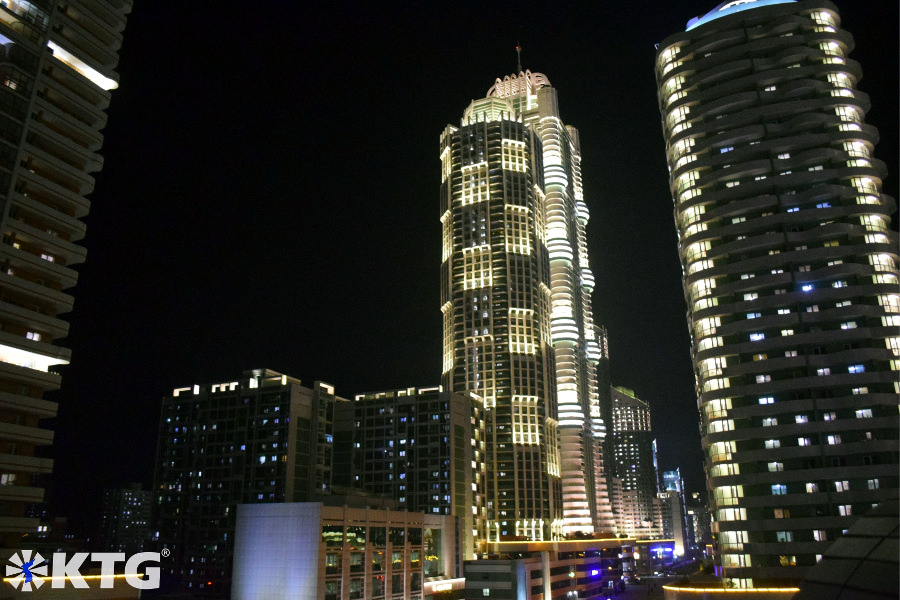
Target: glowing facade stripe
column 95, row 77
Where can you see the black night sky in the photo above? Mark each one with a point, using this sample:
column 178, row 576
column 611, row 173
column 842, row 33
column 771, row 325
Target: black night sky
column 270, row 199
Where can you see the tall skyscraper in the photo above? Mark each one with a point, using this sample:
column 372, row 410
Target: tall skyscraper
column 55, row 82
column 634, row 465
column 515, row 293
column 790, row 278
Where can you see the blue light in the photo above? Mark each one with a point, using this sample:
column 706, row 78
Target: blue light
column 807, row 287
column 595, row 572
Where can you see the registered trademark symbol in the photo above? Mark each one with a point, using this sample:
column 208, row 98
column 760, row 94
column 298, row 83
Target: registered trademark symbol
column 165, row 552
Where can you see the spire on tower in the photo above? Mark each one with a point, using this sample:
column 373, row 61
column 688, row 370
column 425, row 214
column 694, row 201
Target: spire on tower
column 518, row 58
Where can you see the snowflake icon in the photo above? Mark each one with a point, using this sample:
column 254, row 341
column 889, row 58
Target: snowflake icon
column 24, row 570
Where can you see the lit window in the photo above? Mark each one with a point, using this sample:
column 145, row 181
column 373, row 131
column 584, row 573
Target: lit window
column 767, row 400
column 784, row 536
column 856, row 369
column 774, row 467
column 807, row 287
column 779, row 489
column 820, row 535
column 845, row 510
column 803, row 441
column 801, row 419
column 842, row 486
column 812, row 488
column 829, row 416
column 751, row 296
column 824, row 371
column 784, row 311
column 769, row 422
column 754, row 315
column 755, row 337
column 787, row 332
column 873, row 484
column 834, row 440
column 763, row 378
column 848, row 325
column 770, row 444
column 865, row 413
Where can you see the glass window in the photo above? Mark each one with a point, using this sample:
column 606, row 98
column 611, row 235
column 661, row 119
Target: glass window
column 357, row 561
column 397, row 536
column 333, row 535
column 332, row 563
column 378, row 536
column 415, row 536
column 356, row 536
column 377, row 561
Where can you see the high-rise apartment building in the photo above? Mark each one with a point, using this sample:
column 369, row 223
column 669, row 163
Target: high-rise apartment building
column 262, row 437
column 790, row 278
column 422, row 447
column 55, row 82
column 634, row 466
column 515, row 293
column 125, row 519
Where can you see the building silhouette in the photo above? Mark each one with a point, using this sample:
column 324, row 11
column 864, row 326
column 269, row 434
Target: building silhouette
column 125, row 518
column 423, row 448
column 634, row 467
column 56, row 74
column 790, row 279
column 259, row 438
column 515, row 293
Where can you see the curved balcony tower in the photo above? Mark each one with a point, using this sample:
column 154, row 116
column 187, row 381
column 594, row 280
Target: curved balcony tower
column 790, row 278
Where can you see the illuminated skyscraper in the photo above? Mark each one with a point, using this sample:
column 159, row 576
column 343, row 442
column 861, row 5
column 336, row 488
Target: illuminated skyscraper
column 518, row 328
column 633, row 465
column 790, row 278
column 55, row 80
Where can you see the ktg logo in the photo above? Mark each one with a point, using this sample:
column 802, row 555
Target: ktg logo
column 27, row 571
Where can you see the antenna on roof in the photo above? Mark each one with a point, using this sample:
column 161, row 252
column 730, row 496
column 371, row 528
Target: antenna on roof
column 518, row 58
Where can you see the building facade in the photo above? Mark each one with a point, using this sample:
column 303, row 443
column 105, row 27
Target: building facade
column 423, row 448
column 260, row 438
column 57, row 73
column 790, row 278
column 125, row 519
column 515, row 293
column 637, row 509
column 315, row 550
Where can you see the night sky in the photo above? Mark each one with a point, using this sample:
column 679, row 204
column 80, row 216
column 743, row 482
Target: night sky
column 270, row 199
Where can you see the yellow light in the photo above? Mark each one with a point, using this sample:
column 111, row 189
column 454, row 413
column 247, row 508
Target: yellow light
column 792, row 590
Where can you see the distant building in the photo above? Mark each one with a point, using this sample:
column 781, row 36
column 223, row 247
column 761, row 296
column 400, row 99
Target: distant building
column 583, row 568
column 316, row 550
column 790, row 277
column 698, row 523
column 58, row 68
column 259, row 438
column 423, row 447
column 673, row 505
column 125, row 518
column 634, row 464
